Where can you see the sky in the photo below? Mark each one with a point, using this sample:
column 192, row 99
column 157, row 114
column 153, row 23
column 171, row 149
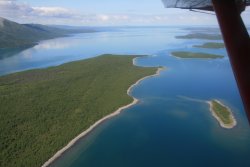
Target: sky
column 103, row 13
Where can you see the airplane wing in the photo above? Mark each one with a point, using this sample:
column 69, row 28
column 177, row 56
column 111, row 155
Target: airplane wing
column 187, row 4
column 198, row 4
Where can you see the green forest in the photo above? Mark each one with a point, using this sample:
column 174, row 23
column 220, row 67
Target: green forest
column 42, row 110
column 211, row 45
column 222, row 112
column 189, row 55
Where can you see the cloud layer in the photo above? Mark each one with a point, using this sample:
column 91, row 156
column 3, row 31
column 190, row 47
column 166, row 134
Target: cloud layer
column 24, row 13
column 13, row 8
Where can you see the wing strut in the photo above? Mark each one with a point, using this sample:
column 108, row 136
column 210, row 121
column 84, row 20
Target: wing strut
column 237, row 43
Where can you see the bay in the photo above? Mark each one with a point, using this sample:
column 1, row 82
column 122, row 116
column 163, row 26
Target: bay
column 169, row 127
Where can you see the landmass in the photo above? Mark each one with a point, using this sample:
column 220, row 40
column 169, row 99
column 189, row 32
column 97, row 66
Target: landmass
column 222, row 113
column 201, row 36
column 42, row 110
column 211, row 45
column 188, row 55
column 214, row 30
column 15, row 35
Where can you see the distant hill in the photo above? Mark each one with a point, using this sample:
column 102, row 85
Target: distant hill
column 13, row 35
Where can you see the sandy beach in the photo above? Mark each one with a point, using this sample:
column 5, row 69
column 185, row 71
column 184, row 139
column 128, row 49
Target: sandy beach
column 118, row 111
column 227, row 126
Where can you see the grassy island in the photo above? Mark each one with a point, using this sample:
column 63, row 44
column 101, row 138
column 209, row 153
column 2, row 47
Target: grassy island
column 211, row 45
column 188, row 55
column 42, row 110
column 222, row 113
column 201, row 36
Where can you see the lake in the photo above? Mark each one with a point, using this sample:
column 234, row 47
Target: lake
column 168, row 127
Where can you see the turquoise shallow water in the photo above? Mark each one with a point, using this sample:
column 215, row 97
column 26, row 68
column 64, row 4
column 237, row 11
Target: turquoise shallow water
column 165, row 128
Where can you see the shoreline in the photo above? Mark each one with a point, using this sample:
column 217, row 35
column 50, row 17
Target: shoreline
column 97, row 123
column 227, row 126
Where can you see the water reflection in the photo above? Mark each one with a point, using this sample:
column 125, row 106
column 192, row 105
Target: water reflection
column 81, row 46
column 5, row 53
column 53, row 44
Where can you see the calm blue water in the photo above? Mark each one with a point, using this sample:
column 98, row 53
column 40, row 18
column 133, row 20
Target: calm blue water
column 165, row 128
column 81, row 46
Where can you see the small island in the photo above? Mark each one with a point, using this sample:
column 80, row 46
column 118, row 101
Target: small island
column 222, row 113
column 206, row 36
column 211, row 45
column 192, row 55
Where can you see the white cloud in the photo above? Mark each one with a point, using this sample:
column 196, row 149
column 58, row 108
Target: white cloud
column 52, row 12
column 103, row 17
column 12, row 8
column 24, row 13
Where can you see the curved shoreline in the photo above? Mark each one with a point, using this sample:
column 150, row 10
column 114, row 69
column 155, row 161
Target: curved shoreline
column 117, row 112
column 227, row 126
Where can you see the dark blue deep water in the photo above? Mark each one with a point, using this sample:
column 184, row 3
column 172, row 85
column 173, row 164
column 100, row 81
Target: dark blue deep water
column 168, row 128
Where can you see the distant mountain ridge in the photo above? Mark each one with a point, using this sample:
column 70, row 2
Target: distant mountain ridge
column 13, row 35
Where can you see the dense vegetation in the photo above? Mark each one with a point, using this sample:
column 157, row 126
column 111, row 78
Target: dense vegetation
column 211, row 45
column 222, row 112
column 42, row 110
column 13, row 35
column 201, row 36
column 195, row 55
